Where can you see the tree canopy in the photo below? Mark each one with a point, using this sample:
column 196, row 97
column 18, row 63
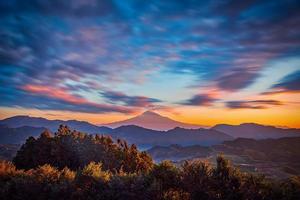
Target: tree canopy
column 75, row 150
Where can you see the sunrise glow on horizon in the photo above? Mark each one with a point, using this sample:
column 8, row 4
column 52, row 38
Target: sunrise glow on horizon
column 196, row 62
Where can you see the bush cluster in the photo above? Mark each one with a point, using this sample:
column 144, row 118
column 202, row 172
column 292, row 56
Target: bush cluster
column 75, row 150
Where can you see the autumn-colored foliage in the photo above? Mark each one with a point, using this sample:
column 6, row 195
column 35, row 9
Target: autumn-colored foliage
column 75, row 150
column 50, row 167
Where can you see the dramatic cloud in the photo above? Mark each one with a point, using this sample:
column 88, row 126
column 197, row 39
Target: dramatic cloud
column 256, row 104
column 50, row 98
column 83, row 48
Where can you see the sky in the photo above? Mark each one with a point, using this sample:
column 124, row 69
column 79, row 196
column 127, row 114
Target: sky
column 199, row 62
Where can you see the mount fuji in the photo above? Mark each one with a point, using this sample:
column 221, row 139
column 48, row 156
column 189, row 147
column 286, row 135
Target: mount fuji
column 154, row 121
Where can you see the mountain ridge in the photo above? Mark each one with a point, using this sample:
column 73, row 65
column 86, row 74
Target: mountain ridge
column 144, row 136
column 256, row 131
column 38, row 122
column 147, row 137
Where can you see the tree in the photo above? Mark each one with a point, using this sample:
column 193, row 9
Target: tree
column 75, row 150
column 197, row 179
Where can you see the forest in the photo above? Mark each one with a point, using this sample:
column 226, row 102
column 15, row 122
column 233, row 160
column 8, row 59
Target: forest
column 69, row 164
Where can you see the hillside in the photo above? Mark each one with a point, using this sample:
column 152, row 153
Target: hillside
column 274, row 150
column 277, row 158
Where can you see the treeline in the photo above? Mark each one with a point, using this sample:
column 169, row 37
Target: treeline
column 73, row 165
column 75, row 150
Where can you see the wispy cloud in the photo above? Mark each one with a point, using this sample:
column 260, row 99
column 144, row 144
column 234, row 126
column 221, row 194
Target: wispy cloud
column 237, row 79
column 60, row 54
column 288, row 84
column 59, row 98
column 200, row 100
column 255, row 104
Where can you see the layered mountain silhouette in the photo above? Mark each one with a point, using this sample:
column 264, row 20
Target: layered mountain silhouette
column 144, row 138
column 15, row 130
column 154, row 121
column 256, row 131
column 147, row 137
column 18, row 135
column 52, row 125
column 141, row 136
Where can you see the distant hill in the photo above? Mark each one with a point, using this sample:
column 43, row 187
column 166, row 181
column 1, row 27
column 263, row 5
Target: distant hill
column 154, row 121
column 275, row 150
column 19, row 121
column 18, row 135
column 256, row 131
column 148, row 138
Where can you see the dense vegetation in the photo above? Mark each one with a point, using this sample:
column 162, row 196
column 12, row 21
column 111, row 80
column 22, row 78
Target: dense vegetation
column 73, row 165
column 75, row 150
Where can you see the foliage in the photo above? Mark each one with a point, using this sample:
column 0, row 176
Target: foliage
column 95, row 170
column 126, row 177
column 75, row 150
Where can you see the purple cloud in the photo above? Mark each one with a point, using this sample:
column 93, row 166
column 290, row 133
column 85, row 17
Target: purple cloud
column 200, row 100
column 256, row 104
column 236, row 79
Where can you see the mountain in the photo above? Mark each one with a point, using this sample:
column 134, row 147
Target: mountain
column 147, row 138
column 154, row 121
column 256, row 131
column 17, row 129
column 144, row 138
column 19, row 121
column 18, row 135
